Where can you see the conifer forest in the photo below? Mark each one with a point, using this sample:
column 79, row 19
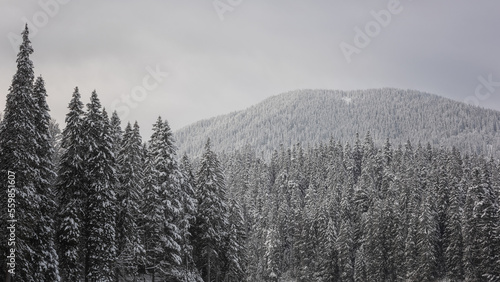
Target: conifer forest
column 96, row 201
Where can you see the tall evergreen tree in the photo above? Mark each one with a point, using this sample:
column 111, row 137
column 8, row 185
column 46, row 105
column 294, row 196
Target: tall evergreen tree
column 190, row 206
column 72, row 194
column 345, row 240
column 481, row 221
column 48, row 260
column 233, row 253
column 272, row 245
column 101, row 201
column 427, row 237
column 453, row 232
column 18, row 157
column 328, row 256
column 130, row 247
column 211, row 218
column 162, row 220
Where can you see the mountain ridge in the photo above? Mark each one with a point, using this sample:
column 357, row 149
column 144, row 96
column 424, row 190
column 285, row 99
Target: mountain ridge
column 310, row 116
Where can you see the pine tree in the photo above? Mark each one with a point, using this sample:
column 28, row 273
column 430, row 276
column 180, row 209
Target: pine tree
column 481, row 221
column 472, row 253
column 153, row 211
column 190, row 207
column 376, row 245
column 48, row 260
column 116, row 133
column 271, row 256
column 427, row 237
column 72, row 194
column 101, row 201
column 328, row 256
column 18, row 156
column 360, row 268
column 164, row 180
column 345, row 247
column 233, row 253
column 345, row 240
column 453, row 232
column 130, row 247
column 211, row 219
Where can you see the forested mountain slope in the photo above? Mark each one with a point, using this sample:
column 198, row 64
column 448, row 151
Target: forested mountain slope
column 312, row 116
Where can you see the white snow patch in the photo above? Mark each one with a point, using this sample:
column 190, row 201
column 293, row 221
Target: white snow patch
column 347, row 100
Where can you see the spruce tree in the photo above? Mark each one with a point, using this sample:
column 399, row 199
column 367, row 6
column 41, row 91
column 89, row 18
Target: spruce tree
column 190, row 207
column 427, row 237
column 233, row 253
column 345, row 240
column 471, row 233
column 481, row 221
column 101, row 201
column 163, row 204
column 453, row 232
column 18, row 157
column 48, row 261
column 211, row 218
column 153, row 211
column 272, row 245
column 130, row 247
column 72, row 194
column 328, row 255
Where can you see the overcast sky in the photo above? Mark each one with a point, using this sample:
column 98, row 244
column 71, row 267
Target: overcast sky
column 190, row 60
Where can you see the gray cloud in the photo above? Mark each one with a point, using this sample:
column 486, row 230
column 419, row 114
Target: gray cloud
column 261, row 48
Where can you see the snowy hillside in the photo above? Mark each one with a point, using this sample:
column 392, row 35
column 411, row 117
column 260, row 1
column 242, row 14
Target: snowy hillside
column 312, row 116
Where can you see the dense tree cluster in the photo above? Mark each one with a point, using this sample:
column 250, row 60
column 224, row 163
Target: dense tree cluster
column 359, row 212
column 96, row 203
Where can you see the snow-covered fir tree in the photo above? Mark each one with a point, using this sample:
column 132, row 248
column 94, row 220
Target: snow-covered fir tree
column 72, row 194
column 211, row 223
column 100, row 216
column 48, row 261
column 129, row 189
column 163, row 205
column 187, row 218
column 22, row 141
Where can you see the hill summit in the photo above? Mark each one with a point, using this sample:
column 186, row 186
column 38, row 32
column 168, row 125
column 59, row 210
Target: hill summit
column 313, row 116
